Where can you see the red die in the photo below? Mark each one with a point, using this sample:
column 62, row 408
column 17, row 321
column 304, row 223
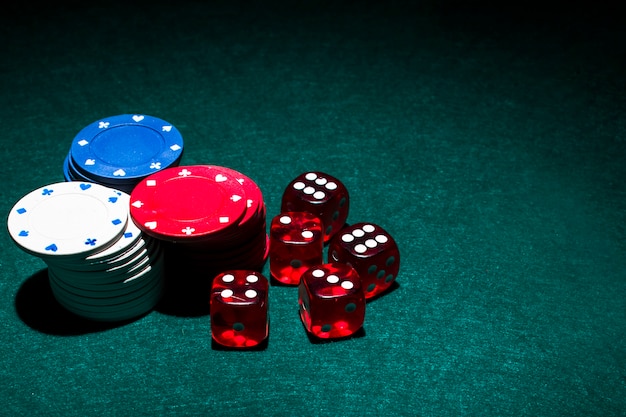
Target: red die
column 296, row 243
column 331, row 300
column 371, row 251
column 238, row 309
column 320, row 194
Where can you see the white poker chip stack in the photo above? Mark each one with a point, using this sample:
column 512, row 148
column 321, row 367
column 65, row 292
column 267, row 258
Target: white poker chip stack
column 100, row 265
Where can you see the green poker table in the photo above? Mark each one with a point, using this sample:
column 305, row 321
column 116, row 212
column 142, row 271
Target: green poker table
column 488, row 139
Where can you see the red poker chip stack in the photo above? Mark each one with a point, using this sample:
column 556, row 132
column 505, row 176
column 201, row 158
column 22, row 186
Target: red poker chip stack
column 209, row 219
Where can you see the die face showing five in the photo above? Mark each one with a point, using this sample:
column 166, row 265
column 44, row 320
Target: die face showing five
column 320, row 194
column 331, row 301
column 239, row 308
column 371, row 251
column 296, row 243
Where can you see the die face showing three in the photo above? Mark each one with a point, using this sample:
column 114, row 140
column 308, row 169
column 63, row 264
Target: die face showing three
column 371, row 251
column 331, row 301
column 296, row 243
column 239, row 308
column 322, row 195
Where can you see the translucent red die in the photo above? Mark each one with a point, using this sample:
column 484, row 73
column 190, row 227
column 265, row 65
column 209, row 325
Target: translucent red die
column 321, row 194
column 370, row 250
column 331, row 301
column 239, row 309
column 296, row 244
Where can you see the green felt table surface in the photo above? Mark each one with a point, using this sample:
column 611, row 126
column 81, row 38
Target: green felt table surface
column 489, row 141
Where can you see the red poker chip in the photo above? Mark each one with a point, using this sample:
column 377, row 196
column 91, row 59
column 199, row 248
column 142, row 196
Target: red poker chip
column 254, row 197
column 183, row 207
column 188, row 203
column 250, row 248
column 252, row 253
column 225, row 242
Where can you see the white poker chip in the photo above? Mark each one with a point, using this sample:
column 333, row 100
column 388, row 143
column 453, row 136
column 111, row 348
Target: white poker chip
column 111, row 278
column 132, row 309
column 143, row 295
column 99, row 299
column 101, row 266
column 139, row 249
column 68, row 219
column 107, row 291
column 128, row 238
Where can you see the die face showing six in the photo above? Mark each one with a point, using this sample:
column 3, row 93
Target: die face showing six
column 296, row 243
column 331, row 301
column 239, row 308
column 370, row 250
column 320, row 194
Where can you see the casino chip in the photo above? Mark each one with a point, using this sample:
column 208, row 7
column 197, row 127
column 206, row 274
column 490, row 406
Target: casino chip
column 208, row 219
column 68, row 219
column 194, row 202
column 100, row 264
column 119, row 151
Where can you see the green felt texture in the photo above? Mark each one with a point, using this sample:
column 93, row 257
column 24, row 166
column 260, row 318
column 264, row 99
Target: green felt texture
column 489, row 142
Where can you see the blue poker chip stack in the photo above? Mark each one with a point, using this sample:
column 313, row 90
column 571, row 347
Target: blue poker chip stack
column 119, row 151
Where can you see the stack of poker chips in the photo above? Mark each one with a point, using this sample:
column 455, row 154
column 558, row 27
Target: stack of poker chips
column 100, row 265
column 208, row 218
column 119, row 151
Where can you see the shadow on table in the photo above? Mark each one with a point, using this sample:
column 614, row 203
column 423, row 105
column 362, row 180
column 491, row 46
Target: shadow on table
column 393, row 287
column 186, row 293
column 37, row 308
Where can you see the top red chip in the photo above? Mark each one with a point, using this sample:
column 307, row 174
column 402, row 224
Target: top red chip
column 188, row 202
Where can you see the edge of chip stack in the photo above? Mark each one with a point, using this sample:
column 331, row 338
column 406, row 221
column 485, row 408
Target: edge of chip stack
column 100, row 265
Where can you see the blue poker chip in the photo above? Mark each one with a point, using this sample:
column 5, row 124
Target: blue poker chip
column 125, row 148
column 71, row 173
column 67, row 174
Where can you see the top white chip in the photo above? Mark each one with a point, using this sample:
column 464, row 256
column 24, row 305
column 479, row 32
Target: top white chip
column 68, row 219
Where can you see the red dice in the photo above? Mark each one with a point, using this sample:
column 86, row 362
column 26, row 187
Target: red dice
column 331, row 301
column 239, row 309
column 371, row 251
column 322, row 195
column 296, row 243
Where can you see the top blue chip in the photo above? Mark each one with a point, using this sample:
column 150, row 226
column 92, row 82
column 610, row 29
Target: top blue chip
column 127, row 146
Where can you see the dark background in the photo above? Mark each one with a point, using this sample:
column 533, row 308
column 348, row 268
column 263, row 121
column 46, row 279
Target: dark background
column 488, row 139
